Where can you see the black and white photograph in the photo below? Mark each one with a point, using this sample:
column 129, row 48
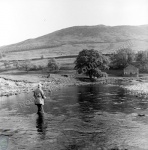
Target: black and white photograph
column 73, row 74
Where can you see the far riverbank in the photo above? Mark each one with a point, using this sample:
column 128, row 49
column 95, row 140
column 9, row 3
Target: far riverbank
column 138, row 88
column 16, row 84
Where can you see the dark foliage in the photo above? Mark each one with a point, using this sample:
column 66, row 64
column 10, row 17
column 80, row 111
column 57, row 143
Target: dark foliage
column 91, row 62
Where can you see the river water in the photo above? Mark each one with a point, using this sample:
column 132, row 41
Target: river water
column 92, row 117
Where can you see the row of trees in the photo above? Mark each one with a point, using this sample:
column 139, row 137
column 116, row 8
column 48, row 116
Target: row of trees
column 123, row 57
column 27, row 65
column 91, row 62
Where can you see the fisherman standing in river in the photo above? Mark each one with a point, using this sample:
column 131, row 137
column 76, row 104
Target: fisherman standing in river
column 39, row 98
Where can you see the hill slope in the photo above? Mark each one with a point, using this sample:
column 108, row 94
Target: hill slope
column 103, row 38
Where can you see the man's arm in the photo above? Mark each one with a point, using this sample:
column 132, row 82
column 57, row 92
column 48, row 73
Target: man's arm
column 43, row 95
column 34, row 94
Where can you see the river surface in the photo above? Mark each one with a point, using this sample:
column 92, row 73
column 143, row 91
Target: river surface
column 92, row 117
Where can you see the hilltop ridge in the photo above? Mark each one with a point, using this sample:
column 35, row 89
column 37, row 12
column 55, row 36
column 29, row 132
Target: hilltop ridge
column 101, row 37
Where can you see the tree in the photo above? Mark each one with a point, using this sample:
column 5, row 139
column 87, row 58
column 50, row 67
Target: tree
column 53, row 65
column 26, row 65
column 16, row 64
column 2, row 55
column 91, row 62
column 142, row 57
column 7, row 64
column 142, row 61
column 122, row 58
column 42, row 56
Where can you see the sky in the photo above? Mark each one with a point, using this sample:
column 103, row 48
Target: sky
column 25, row 19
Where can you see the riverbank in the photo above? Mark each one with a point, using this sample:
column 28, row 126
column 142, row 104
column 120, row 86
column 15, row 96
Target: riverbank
column 25, row 83
column 13, row 85
column 16, row 84
column 138, row 88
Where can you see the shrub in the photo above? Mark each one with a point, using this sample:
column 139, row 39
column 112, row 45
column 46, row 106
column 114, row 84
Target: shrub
column 7, row 64
column 16, row 64
column 42, row 57
column 53, row 65
column 25, row 65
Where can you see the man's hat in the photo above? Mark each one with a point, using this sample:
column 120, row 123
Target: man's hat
column 39, row 85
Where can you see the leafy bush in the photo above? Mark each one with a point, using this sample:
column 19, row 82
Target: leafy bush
column 25, row 65
column 122, row 58
column 2, row 55
column 33, row 67
column 42, row 57
column 53, row 65
column 16, row 64
column 40, row 67
column 7, row 64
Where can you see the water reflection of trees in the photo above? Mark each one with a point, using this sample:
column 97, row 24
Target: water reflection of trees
column 96, row 98
column 87, row 127
column 118, row 100
column 87, row 101
column 125, row 102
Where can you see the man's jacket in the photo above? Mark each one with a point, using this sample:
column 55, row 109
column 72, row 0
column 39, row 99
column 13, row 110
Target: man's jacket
column 39, row 96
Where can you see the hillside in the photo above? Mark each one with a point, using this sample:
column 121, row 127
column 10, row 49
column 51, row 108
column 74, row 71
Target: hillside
column 70, row 41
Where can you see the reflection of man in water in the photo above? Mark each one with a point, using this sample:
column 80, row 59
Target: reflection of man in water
column 41, row 125
column 39, row 98
column 40, row 122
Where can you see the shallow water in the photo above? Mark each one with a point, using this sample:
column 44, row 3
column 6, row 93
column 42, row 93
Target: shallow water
column 89, row 117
